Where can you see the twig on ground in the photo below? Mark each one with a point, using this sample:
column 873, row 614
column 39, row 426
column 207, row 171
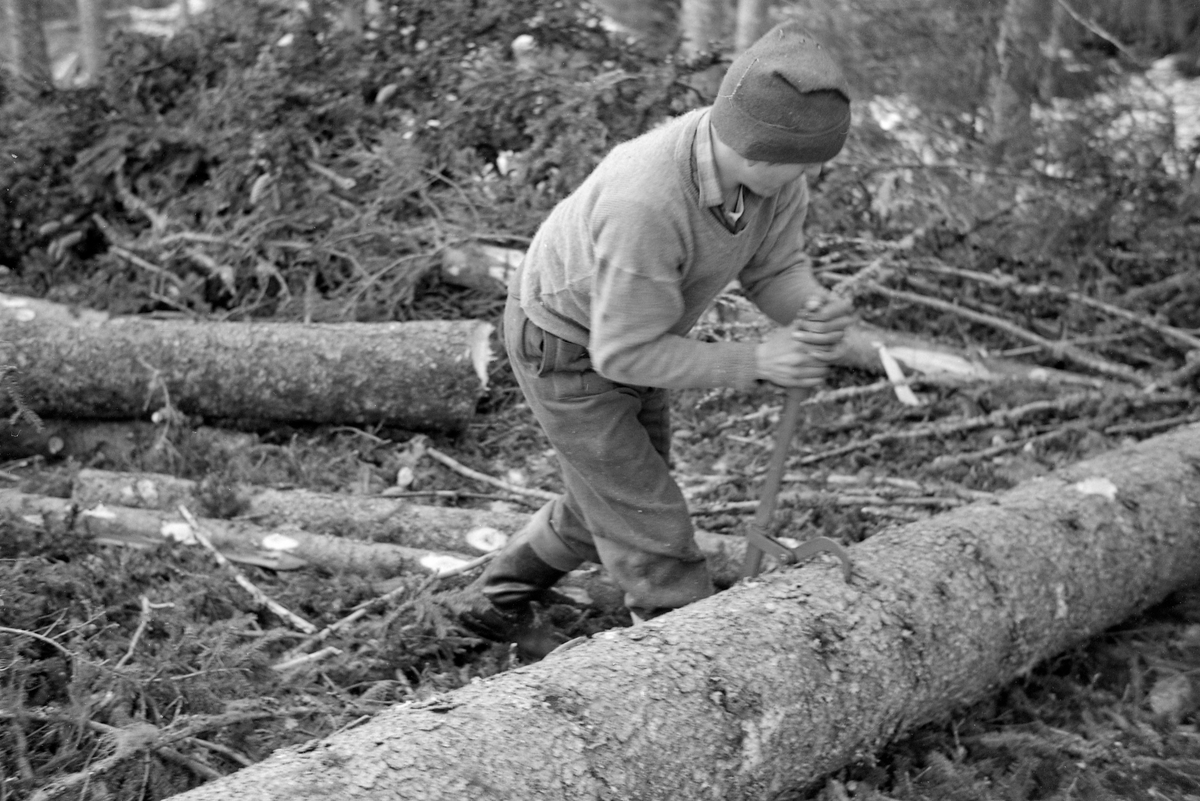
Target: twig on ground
column 997, row 418
column 143, row 622
column 1152, row 426
column 200, row 768
column 307, row 659
column 823, row 396
column 873, row 272
column 149, row 267
column 23, row 633
column 1190, row 369
column 821, row 498
column 366, row 606
column 1060, row 349
column 223, row 750
column 258, row 595
column 463, row 470
column 950, row 460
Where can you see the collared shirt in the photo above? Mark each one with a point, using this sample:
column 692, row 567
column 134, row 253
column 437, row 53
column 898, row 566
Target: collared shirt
column 709, row 183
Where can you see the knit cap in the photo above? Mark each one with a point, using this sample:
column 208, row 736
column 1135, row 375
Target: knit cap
column 783, row 100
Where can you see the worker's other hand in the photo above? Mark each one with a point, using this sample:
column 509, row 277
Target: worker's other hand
column 829, row 314
column 784, row 359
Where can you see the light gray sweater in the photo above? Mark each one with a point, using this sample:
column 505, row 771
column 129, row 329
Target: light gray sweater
column 629, row 261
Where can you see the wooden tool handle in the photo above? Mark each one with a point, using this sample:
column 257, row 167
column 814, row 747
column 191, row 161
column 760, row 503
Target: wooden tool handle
column 770, row 492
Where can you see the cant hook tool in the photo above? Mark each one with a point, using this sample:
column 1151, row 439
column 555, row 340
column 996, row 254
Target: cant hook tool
column 758, row 541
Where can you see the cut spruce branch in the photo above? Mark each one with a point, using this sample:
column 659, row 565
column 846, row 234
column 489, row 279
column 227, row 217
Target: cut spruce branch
column 780, row 680
column 85, row 364
column 1058, row 349
column 1167, row 332
column 138, row 738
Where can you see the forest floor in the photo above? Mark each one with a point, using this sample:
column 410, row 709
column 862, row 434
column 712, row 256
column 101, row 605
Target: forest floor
column 136, row 674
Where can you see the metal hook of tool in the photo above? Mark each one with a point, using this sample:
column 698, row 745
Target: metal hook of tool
column 758, row 541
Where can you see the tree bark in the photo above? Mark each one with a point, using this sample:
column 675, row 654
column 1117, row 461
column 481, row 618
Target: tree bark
column 763, row 689
column 703, row 25
column 1023, row 29
column 420, row 375
column 751, row 22
column 29, row 57
column 91, row 38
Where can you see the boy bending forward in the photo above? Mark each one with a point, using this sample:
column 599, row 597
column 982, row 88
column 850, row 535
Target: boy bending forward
column 596, row 322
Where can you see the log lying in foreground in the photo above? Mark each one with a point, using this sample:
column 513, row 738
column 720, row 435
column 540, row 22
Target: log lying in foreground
column 90, row 365
column 772, row 684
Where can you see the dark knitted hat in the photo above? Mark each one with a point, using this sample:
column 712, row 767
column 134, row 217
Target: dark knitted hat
column 783, row 100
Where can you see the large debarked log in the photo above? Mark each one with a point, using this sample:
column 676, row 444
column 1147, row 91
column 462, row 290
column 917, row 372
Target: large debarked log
column 85, row 364
column 777, row 681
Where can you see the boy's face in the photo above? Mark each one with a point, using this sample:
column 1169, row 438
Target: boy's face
column 765, row 178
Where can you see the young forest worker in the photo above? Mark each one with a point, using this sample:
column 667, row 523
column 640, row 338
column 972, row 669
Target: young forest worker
column 596, row 320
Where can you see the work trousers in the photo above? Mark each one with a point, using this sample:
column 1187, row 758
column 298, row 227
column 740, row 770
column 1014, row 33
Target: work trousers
column 620, row 506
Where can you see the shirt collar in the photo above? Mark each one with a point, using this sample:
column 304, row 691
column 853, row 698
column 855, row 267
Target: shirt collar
column 706, row 166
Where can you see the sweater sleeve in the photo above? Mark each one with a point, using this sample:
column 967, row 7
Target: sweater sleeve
column 636, row 302
column 779, row 279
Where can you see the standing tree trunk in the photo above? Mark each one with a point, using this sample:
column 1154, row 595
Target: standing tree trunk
column 763, row 689
column 751, row 22
column 1025, row 26
column 29, row 58
column 91, row 38
column 702, row 25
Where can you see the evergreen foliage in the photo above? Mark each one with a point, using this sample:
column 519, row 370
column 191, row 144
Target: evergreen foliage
column 263, row 154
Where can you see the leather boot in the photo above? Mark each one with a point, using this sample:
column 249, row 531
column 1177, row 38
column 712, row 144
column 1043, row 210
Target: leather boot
column 497, row 606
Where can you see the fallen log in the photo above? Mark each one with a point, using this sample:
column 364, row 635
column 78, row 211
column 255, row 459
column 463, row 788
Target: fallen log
column 281, row 548
column 419, row 375
column 763, row 689
column 371, row 518
column 124, row 441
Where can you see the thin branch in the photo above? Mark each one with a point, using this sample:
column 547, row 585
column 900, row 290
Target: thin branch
column 307, row 659
column 261, row 597
column 365, row 607
column 1060, row 349
column 463, row 470
column 1100, row 31
column 23, row 633
column 140, row 737
column 143, row 622
column 998, row 418
column 1038, row 290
